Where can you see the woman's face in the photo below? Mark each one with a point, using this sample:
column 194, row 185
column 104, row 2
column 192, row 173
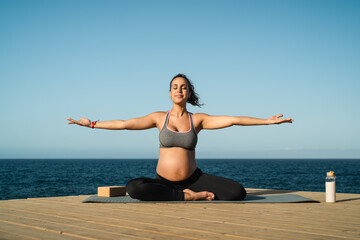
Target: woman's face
column 179, row 91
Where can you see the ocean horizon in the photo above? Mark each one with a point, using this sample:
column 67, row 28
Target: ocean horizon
column 31, row 178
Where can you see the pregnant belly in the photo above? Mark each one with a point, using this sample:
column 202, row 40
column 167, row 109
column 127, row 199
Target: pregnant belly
column 176, row 164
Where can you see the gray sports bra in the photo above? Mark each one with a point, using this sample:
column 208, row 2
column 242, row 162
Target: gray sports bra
column 169, row 138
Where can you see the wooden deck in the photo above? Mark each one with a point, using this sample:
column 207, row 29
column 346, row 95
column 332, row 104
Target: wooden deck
column 68, row 218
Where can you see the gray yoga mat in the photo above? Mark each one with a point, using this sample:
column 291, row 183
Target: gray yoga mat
column 278, row 198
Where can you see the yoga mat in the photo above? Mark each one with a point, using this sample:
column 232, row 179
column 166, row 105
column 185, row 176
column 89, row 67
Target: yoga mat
column 278, row 198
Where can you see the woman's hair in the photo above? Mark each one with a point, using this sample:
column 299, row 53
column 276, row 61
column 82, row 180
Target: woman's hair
column 194, row 97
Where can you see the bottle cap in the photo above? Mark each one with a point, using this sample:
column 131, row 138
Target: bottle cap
column 330, row 174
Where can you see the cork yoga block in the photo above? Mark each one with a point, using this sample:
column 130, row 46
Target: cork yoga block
column 111, row 191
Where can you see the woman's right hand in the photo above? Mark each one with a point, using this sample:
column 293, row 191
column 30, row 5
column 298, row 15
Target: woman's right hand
column 82, row 122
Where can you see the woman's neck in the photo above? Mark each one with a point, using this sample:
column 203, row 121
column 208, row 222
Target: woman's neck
column 178, row 110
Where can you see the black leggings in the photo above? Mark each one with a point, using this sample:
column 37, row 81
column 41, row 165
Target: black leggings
column 161, row 189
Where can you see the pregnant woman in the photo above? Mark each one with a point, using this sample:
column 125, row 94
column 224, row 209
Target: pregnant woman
column 177, row 176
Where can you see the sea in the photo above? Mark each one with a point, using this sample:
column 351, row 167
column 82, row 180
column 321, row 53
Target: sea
column 32, row 178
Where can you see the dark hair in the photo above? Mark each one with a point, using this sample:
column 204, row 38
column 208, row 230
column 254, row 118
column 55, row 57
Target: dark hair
column 194, row 97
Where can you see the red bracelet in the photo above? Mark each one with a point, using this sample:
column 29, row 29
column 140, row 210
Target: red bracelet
column 93, row 124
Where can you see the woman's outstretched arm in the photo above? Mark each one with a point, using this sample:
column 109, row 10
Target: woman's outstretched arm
column 142, row 123
column 217, row 122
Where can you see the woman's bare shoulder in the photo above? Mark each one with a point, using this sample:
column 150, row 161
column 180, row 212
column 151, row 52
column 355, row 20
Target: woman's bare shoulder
column 200, row 115
column 158, row 114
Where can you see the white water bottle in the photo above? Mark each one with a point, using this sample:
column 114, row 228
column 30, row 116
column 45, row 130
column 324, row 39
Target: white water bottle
column 330, row 187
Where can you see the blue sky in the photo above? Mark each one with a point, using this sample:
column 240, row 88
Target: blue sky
column 114, row 60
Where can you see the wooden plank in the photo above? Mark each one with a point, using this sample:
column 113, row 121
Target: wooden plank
column 81, row 229
column 308, row 215
column 280, row 209
column 222, row 219
column 15, row 229
column 15, row 236
column 168, row 230
column 339, row 214
column 205, row 221
column 286, row 229
column 225, row 207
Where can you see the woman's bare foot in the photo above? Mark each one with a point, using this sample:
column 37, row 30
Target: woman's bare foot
column 193, row 196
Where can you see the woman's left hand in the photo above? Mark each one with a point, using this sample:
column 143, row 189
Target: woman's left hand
column 278, row 120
